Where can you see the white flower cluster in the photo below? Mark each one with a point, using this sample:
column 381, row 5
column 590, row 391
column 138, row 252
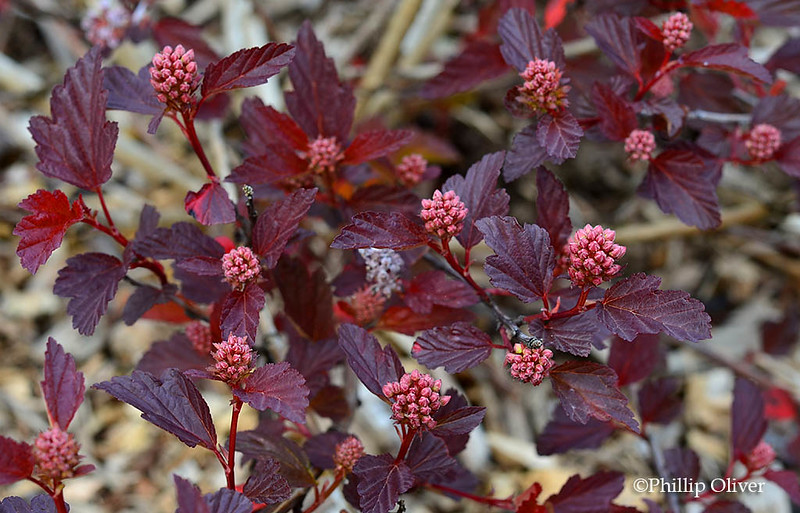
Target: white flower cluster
column 383, row 269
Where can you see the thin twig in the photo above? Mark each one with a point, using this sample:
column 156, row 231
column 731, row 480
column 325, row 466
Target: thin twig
column 719, row 117
column 661, row 468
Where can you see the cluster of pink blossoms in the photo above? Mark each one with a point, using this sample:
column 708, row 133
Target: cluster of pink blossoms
column 367, row 304
column 323, row 155
column 105, row 23
column 529, row 365
column 592, row 255
column 640, row 144
column 762, row 455
column 234, row 359
column 542, row 90
column 347, row 453
column 199, row 334
column 415, row 398
column 174, row 76
column 676, row 31
column 763, row 141
column 411, row 169
column 443, row 214
column 241, row 266
column 55, row 454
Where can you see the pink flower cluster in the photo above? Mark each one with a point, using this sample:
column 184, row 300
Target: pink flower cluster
column 105, row 24
column 200, row 336
column 676, row 30
column 529, row 365
column 241, row 266
column 592, row 255
column 640, row 145
column 174, row 76
column 367, row 304
column 347, row 453
column 234, row 359
column 763, row 141
column 542, row 88
column 411, row 169
column 55, row 454
column 415, row 399
column 443, row 214
column 324, row 154
column 762, row 455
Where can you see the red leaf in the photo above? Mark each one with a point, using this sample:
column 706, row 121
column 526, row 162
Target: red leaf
column 240, row 312
column 406, row 321
column 16, row 460
column 43, row 230
column 457, row 347
column 77, row 144
column 672, row 112
column 786, row 57
column 174, row 31
column 456, row 420
column 145, row 298
column 748, row 421
column 312, row 359
column 175, row 353
column 63, row 385
column 478, row 62
column 375, row 366
column 90, row 281
column 375, row 143
column 246, row 68
column 734, row 8
column 525, row 154
column 384, row 198
column 779, row 338
column 788, row 157
column 729, row 57
column 590, row 495
column 524, row 260
column 523, row 40
column 180, row 241
column 724, row 506
column 572, row 335
column 776, row 13
column 648, row 28
column 555, row 12
column 190, row 499
column 434, row 288
column 428, row 459
column 635, row 305
column 478, row 190
column 787, row 480
column 265, row 484
column 779, row 404
column 265, row 126
column 276, row 164
column 210, row 205
column 392, row 230
column 781, row 111
column 131, row 92
column 277, row 387
column 267, row 442
column 633, row 361
column 617, row 38
column 617, row 117
column 320, row 448
column 659, row 401
column 560, row 136
column 562, row 434
column 552, row 207
column 381, row 481
column 276, row 225
column 682, row 463
column 172, row 403
column 588, row 389
column 526, row 502
column 307, row 298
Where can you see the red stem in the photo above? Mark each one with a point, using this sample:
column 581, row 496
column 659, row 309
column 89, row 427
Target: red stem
column 498, row 503
column 407, row 439
column 58, row 498
column 673, row 65
column 191, row 134
column 229, row 469
column 327, row 490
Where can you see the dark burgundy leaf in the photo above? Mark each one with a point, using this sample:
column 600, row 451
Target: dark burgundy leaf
column 240, row 312
column 572, row 335
column 635, row 360
column 617, row 117
column 478, row 190
column 16, row 460
column 635, row 305
column 788, row 157
column 562, row 434
column 381, row 481
column 131, row 92
column 523, row 40
column 39, row 504
column 525, row 154
column 403, row 319
column 148, row 223
column 552, row 207
column 748, row 422
column 180, row 241
column 729, row 57
column 648, row 28
column 672, row 112
column 43, row 230
column 265, row 126
column 375, row 143
column 313, row 359
column 276, row 225
column 201, row 266
column 617, row 38
column 435, row 288
column 320, row 103
column 588, row 389
column 226, row 500
column 457, row 421
column 591, row 495
column 203, row 289
column 143, row 299
column 658, row 401
column 787, row 480
column 175, row 353
column 277, row 387
column 392, row 230
column 278, row 164
column 375, row 366
column 682, row 463
column 457, row 347
column 172, row 403
column 210, row 205
column 246, row 68
column 384, row 198
column 779, row 338
column 307, row 298
column 267, row 442
column 786, row 57
column 90, row 281
column 782, row 112
column 524, row 260
column 77, row 144
column 63, row 385
column 190, row 499
column 560, row 136
column 428, row 459
column 723, row 506
column 320, row 448
column 174, row 31
column 265, row 484
column 478, row 62
column 332, row 402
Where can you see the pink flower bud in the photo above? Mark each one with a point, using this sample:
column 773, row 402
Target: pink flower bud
column 367, row 304
column 761, row 456
column 347, row 453
column 106, row 23
column 444, row 214
column 676, row 31
column 592, row 254
column 415, row 399
column 234, row 360
column 543, row 90
column 763, row 141
column 241, row 266
column 174, row 77
column 200, row 336
column 640, row 145
column 55, row 454
column 411, row 169
column 324, row 154
column 529, row 365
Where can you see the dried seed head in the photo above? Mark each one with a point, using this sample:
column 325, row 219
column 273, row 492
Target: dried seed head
column 174, row 77
column 444, row 214
column 640, row 145
column 529, row 365
column 592, row 256
column 763, row 141
column 415, row 398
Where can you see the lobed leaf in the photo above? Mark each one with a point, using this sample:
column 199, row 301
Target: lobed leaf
column 240, row 312
column 392, row 230
column 748, row 423
column 321, row 448
column 180, row 241
column 787, row 480
column 273, row 165
column 226, row 500
column 523, row 40
column 729, row 57
column 559, row 135
column 63, row 386
column 277, row 387
column 246, row 68
column 143, row 299
column 374, row 366
column 682, row 462
column 175, row 353
column 525, row 154
column 658, row 401
column 39, row 504
column 458, row 421
column 478, row 62
column 590, row 495
column 428, row 459
column 190, row 499
column 267, row 442
column 307, row 298
column 634, row 360
column 562, row 434
column 16, row 460
column 381, row 480
column 435, row 288
column 782, row 112
column 276, row 225
column 552, row 207
column 376, row 143
column 617, row 117
column 788, row 157
column 131, row 92
column 406, row 321
column 617, row 38
column 265, row 484
column 264, row 126
column 457, row 347
column 572, row 335
column 210, row 205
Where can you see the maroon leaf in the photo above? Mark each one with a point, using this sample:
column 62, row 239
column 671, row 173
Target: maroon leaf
column 748, row 421
column 175, row 353
column 617, row 38
column 180, row 241
column 265, row 126
column 560, row 136
column 525, row 154
column 77, row 144
column 523, row 40
column 320, row 448
column 633, row 361
column 617, row 117
column 524, row 260
column 267, row 442
column 406, row 321
column 588, row 389
column 729, row 57
column 788, row 157
column 562, row 434
column 174, row 31
column 277, row 387
column 43, row 230
column 240, row 312
column 672, row 112
column 635, row 305
column 478, row 190
column 552, row 207
column 779, row 338
column 658, row 401
column 786, row 57
column 572, row 335
column 190, row 499
column 478, row 62
column 313, row 359
column 131, row 92
column 381, row 481
column 90, row 281
column 201, row 266
column 279, row 163
column 63, row 385
column 172, row 403
column 226, row 500
column 381, row 230
column 384, row 198
column 435, row 288
column 210, row 205
column 682, row 463
column 246, row 68
column 428, row 458
column 143, row 299
column 16, row 460
column 276, row 225
column 375, row 143
column 457, row 347
column 265, row 484
column 458, row 422
column 307, row 298
column 374, row 366
column 787, row 480
column 39, row 504
column 320, row 103
column 591, row 495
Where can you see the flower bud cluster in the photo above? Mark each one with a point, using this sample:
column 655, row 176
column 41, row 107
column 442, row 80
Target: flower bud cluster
column 763, row 141
column 199, row 334
column 324, row 154
column 415, row 398
column 411, row 169
column 444, row 214
column 55, row 454
column 240, row 266
column 367, row 304
column 640, row 145
column 347, row 453
column 542, row 90
column 174, row 76
column 592, row 256
column 760, row 457
column 234, row 359
column 676, row 31
column 529, row 365
column 105, row 23
column 383, row 269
